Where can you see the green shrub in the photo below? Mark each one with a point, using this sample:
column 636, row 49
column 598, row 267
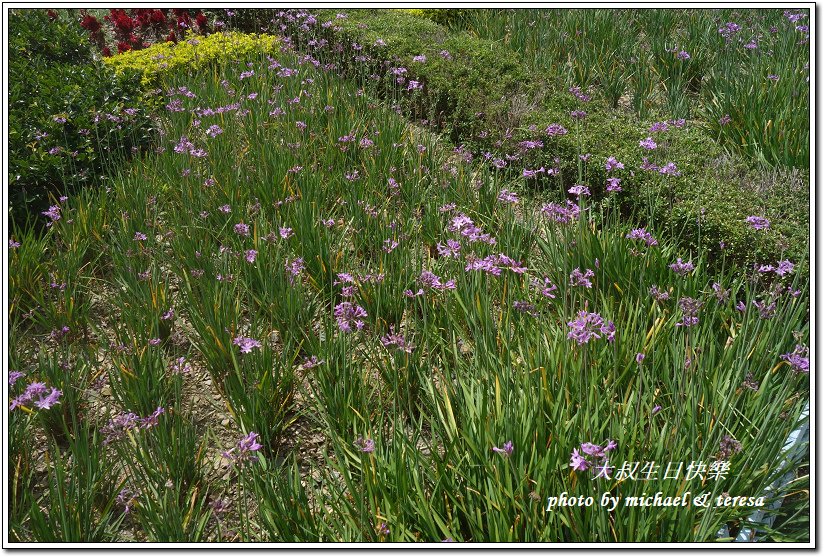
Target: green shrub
column 71, row 120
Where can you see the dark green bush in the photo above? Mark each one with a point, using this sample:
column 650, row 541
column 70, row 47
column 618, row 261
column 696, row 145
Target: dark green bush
column 53, row 76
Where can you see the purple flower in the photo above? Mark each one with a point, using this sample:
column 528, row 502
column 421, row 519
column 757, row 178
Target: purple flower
column 681, row 268
column 506, row 450
column 349, row 317
column 784, row 267
column 451, row 249
column 46, row 402
column 225, row 209
column 613, row 184
column 721, row 294
column 419, row 58
column 683, row 55
column 669, row 169
column 758, row 223
column 724, row 120
column 13, row 244
column 246, row 344
column 639, row 357
column 365, row 445
column 242, row 229
column 592, row 450
column 547, row 288
column 294, row 268
column 397, row 340
column 588, row 326
column 613, row 164
column 798, row 359
column 659, row 127
column 432, row 281
column 561, row 214
column 181, row 366
column 579, row 190
column 286, row 232
column 578, row 462
column 214, row 130
column 152, row 419
column 577, row 278
column 655, row 410
column 244, row 450
column 642, row 234
column 578, row 114
column 555, row 129
column 658, row 294
column 53, row 213
column 251, row 255
column 126, row 498
column 507, row 196
column 168, row 315
column 14, row 376
column 689, row 310
column 648, row 144
column 139, row 236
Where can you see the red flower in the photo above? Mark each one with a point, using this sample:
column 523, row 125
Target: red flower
column 123, row 47
column 158, row 17
column 52, row 14
column 202, row 22
column 171, row 38
column 90, row 23
column 107, row 51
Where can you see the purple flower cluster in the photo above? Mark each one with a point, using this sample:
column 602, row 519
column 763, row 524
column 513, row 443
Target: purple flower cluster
column 758, row 223
column 598, row 454
column 246, row 344
column 588, row 326
column 397, row 340
column 642, row 234
column 561, row 214
column 432, row 281
column 45, row 398
column 680, row 268
column 577, row 278
column 466, row 227
column 798, row 359
column 689, row 311
column 123, row 423
column 493, row 264
column 349, row 317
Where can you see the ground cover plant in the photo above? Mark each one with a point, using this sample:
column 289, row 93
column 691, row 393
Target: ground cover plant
column 301, row 317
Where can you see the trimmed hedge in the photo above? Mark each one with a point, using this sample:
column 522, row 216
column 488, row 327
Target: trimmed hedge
column 484, row 99
column 71, row 120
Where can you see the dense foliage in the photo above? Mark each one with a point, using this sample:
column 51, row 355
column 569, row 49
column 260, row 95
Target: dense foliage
column 71, row 120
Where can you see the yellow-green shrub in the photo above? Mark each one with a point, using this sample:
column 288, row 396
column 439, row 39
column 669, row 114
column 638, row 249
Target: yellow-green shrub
column 441, row 16
column 191, row 54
